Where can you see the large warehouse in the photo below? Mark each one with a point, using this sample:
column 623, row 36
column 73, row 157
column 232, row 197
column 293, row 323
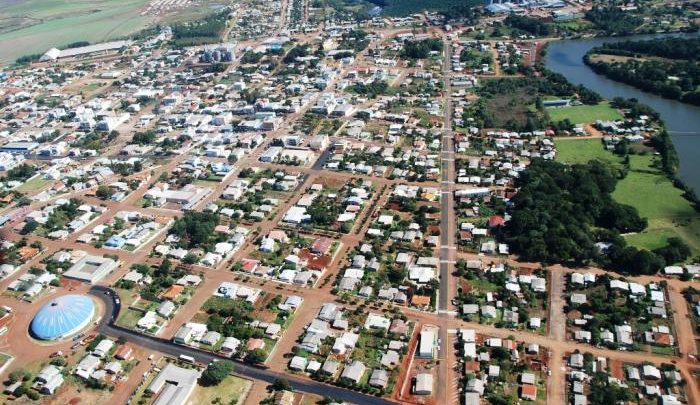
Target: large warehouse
column 91, row 268
column 62, row 317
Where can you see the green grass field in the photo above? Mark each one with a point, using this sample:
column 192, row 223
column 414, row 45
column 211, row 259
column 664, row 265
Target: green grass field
column 585, row 114
column 37, row 25
column 576, row 150
column 232, row 390
column 646, row 188
column 653, row 194
column 32, row 185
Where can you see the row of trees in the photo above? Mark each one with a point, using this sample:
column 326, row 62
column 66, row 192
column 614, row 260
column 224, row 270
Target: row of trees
column 667, row 47
column 204, row 31
column 654, row 77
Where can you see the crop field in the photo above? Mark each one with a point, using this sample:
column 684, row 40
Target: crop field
column 585, row 114
column 54, row 23
column 30, row 27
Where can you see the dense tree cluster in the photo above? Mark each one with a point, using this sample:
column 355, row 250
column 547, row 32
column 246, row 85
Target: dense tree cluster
column 533, row 26
column 421, row 49
column 204, row 31
column 557, row 208
column 505, row 103
column 216, row 372
column 144, row 138
column 195, row 228
column 20, row 173
column 296, row 52
column 355, row 39
column 612, row 20
column 561, row 213
column 371, row 90
column 549, row 83
column 604, row 392
column 667, row 47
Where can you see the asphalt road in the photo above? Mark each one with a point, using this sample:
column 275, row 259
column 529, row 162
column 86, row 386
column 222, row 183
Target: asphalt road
column 108, row 327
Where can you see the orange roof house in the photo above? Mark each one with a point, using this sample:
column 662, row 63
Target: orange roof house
column 528, row 392
column 421, row 300
column 25, row 252
column 172, row 292
column 255, row 344
column 124, row 352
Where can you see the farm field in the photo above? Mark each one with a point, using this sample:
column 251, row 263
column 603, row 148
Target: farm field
column 40, row 25
column 30, row 27
column 585, row 114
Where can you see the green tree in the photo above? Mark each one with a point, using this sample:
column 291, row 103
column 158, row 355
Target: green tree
column 103, row 192
column 256, row 356
column 216, row 372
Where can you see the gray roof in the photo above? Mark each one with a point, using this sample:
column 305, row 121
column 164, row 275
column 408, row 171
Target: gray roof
column 379, row 378
column 354, row 371
column 174, row 385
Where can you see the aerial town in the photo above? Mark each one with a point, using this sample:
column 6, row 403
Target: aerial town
column 353, row 202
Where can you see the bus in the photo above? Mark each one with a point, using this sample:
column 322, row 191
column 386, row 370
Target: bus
column 187, row 359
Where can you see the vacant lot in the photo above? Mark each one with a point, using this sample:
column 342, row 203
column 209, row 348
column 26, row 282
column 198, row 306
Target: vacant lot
column 585, row 114
column 232, row 390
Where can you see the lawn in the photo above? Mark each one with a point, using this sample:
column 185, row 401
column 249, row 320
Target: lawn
column 661, row 198
column 129, row 318
column 34, row 184
column 576, row 150
column 585, row 114
column 670, row 215
column 232, row 390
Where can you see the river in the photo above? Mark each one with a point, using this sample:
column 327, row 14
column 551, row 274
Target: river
column 682, row 120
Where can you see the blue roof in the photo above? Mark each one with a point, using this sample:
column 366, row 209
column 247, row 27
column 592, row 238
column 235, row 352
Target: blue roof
column 62, row 316
column 115, row 241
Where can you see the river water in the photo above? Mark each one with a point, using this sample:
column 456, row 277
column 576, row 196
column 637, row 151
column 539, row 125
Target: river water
column 682, row 120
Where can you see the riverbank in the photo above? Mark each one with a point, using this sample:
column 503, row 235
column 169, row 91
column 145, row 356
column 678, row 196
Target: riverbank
column 681, row 120
column 663, row 66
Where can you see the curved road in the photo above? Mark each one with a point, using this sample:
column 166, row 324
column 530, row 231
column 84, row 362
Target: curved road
column 108, row 327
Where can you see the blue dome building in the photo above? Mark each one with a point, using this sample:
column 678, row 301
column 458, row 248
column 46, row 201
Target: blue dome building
column 62, row 317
